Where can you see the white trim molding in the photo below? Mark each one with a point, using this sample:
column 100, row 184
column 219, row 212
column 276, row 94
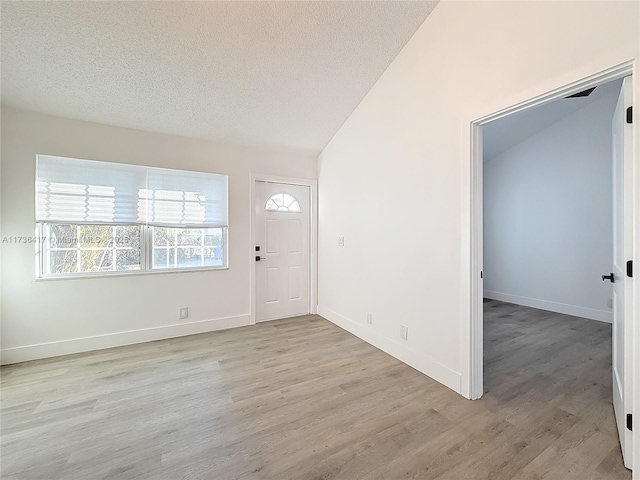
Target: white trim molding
column 418, row 360
column 564, row 308
column 118, row 339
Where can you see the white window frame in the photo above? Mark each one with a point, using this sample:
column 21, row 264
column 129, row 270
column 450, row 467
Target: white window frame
column 147, row 231
column 146, row 256
column 288, row 207
column 210, row 189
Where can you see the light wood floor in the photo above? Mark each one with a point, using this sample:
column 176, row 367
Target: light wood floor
column 302, row 399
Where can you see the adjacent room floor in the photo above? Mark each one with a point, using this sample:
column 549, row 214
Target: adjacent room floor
column 302, row 399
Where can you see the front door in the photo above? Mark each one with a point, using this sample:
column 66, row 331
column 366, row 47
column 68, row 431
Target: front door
column 282, row 214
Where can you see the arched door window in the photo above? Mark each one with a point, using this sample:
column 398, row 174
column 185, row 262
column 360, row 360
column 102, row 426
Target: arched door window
column 282, row 202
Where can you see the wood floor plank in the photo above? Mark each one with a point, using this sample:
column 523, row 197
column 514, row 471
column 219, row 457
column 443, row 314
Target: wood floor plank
column 301, row 399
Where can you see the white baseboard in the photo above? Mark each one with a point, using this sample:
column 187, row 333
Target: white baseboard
column 573, row 310
column 118, row 339
column 421, row 362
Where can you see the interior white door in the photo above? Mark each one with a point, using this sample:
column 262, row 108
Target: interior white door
column 282, row 221
column 622, row 252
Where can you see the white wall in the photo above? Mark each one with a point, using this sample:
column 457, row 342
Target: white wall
column 44, row 318
column 548, row 216
column 395, row 180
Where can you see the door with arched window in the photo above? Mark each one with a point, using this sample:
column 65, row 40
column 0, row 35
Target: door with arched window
column 282, row 223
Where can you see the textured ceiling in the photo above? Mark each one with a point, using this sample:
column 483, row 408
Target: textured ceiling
column 284, row 74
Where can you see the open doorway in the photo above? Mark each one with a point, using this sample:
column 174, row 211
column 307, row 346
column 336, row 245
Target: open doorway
column 534, row 271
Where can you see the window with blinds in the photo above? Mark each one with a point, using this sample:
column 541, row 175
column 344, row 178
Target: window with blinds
column 102, row 217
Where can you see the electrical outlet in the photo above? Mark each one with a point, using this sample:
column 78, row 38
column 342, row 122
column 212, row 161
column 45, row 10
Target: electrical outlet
column 341, row 241
column 610, row 302
column 369, row 319
column 404, row 332
column 184, row 313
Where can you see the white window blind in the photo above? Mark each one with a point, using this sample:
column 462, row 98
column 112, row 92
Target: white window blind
column 83, row 191
column 90, row 192
column 181, row 198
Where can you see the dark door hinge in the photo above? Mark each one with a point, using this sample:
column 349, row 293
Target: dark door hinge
column 481, row 274
column 630, row 268
column 629, row 422
column 629, row 114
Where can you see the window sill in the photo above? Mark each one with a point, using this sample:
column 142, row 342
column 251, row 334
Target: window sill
column 102, row 275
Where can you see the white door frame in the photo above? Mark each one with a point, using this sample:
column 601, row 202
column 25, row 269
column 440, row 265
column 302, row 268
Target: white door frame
column 313, row 234
column 475, row 347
